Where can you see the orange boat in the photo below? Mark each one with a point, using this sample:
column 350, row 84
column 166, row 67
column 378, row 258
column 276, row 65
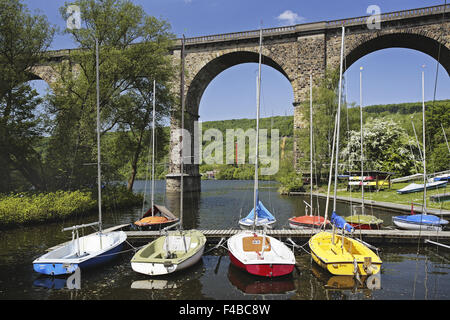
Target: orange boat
column 307, row 222
column 156, row 219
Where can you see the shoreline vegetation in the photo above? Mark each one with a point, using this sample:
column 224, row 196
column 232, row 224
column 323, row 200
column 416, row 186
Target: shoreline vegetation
column 34, row 208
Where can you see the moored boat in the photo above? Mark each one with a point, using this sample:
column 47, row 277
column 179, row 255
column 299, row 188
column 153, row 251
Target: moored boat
column 253, row 251
column 176, row 250
column 91, row 250
column 260, row 254
column 419, row 222
column 84, row 253
column 263, row 218
column 365, row 222
column 418, row 187
column 158, row 218
column 167, row 254
column 341, row 255
column 308, row 222
column 338, row 254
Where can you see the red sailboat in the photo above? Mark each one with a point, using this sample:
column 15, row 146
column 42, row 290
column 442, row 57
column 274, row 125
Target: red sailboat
column 255, row 251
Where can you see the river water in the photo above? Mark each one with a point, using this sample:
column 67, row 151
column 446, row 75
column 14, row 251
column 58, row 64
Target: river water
column 415, row 272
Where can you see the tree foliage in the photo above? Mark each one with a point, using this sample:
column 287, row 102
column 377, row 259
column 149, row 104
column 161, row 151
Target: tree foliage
column 24, row 37
column 387, row 147
column 133, row 51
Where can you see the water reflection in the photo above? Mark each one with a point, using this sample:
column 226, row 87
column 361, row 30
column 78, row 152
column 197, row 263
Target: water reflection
column 408, row 272
column 353, row 283
column 256, row 285
column 73, row 282
column 191, row 207
column 154, row 284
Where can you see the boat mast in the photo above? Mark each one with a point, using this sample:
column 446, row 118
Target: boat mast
column 311, row 143
column 258, row 99
column 338, row 120
column 362, row 141
column 182, row 133
column 99, row 169
column 424, row 148
column 153, row 145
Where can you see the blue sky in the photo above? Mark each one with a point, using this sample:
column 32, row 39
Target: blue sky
column 390, row 76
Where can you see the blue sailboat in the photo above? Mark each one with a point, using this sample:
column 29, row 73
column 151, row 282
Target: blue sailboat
column 88, row 251
column 264, row 218
column 421, row 221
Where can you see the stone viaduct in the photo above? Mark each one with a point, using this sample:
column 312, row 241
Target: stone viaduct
column 295, row 51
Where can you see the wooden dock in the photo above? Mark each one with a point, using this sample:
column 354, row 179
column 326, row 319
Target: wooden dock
column 379, row 237
column 375, row 237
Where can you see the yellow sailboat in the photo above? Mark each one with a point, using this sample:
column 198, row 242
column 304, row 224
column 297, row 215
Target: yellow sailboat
column 342, row 255
column 338, row 254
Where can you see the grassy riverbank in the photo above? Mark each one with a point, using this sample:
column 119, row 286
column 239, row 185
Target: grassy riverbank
column 391, row 195
column 22, row 208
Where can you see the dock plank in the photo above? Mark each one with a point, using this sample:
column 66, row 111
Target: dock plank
column 372, row 236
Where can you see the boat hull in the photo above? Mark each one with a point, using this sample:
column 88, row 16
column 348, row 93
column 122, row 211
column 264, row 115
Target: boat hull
column 247, row 253
column 249, row 225
column 413, row 187
column 153, row 259
column 364, row 226
column 156, row 269
column 364, row 222
column 263, row 270
column 307, row 222
column 402, row 222
column 49, row 265
column 154, row 226
column 344, row 260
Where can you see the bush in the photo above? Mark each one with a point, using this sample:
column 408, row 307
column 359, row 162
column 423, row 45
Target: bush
column 24, row 208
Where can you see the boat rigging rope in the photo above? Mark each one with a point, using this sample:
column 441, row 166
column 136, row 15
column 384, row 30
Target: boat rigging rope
column 217, row 246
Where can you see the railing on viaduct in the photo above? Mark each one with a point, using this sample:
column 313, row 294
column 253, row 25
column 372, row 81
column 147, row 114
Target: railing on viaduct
column 391, row 16
column 398, row 15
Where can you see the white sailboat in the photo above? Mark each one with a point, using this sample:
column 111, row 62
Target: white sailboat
column 422, row 221
column 91, row 250
column 252, row 250
column 179, row 249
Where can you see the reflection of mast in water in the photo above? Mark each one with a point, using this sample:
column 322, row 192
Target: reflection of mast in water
column 184, row 283
column 250, row 284
column 372, row 282
column 191, row 207
column 60, row 282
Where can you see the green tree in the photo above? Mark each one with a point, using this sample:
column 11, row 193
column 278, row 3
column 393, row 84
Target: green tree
column 133, row 50
column 24, row 37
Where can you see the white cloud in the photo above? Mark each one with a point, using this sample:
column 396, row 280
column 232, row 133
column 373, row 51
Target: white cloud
column 288, row 18
column 187, row 1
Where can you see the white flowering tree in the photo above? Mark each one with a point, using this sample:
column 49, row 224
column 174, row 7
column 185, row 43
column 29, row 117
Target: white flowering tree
column 387, row 147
